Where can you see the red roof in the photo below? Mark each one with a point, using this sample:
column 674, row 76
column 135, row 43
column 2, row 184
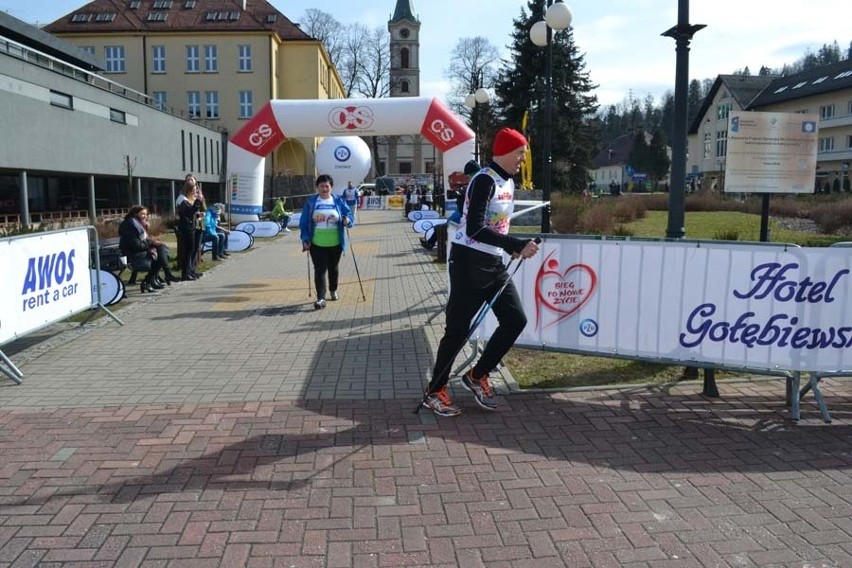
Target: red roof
column 133, row 16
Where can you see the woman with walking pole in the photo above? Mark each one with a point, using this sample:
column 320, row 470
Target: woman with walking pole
column 478, row 275
column 322, row 232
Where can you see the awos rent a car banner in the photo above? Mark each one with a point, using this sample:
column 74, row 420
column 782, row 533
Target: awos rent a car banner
column 759, row 307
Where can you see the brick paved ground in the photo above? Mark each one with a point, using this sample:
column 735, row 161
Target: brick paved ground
column 257, row 432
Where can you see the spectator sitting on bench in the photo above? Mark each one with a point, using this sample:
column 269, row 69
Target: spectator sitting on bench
column 279, row 215
column 214, row 234
column 144, row 253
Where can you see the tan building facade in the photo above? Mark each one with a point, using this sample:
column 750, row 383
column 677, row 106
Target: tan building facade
column 219, row 61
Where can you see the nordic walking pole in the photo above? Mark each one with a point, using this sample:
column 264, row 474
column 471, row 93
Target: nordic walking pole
column 357, row 272
column 477, row 321
column 308, row 259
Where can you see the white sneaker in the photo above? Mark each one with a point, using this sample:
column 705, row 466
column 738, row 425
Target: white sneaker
column 286, row 230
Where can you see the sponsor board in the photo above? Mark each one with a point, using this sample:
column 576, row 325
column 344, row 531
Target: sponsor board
column 261, row 229
column 112, row 288
column 424, row 225
column 45, row 279
column 736, row 305
column 238, row 241
column 423, row 214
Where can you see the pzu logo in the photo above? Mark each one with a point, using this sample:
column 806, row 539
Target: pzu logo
column 260, row 136
column 443, row 131
column 342, row 154
column 351, row 117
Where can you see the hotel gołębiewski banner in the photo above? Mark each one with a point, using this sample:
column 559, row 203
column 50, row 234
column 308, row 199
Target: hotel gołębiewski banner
column 759, row 307
column 46, row 278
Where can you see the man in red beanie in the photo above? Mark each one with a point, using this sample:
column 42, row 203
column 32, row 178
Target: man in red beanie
column 477, row 272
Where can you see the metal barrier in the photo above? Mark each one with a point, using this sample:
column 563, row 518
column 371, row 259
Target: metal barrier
column 40, row 271
column 639, row 291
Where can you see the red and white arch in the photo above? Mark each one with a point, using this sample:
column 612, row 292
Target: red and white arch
column 280, row 119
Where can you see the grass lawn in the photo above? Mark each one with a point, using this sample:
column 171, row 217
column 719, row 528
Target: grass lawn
column 713, row 224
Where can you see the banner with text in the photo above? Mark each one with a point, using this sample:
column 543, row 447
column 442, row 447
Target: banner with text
column 46, row 278
column 760, row 307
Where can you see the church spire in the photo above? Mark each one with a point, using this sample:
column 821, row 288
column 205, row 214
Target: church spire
column 403, row 11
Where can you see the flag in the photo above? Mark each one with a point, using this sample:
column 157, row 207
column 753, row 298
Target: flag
column 526, row 167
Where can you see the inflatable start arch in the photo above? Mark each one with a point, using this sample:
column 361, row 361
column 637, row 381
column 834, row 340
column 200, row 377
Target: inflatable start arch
column 280, row 119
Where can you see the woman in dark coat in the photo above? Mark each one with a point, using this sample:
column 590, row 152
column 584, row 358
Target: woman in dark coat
column 144, row 253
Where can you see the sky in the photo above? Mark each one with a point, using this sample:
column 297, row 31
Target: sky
column 624, row 52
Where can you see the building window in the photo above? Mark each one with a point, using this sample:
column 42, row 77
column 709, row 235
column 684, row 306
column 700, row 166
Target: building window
column 403, row 86
column 61, row 100
column 429, row 166
column 90, row 49
column 114, row 55
column 246, row 106
column 159, row 57
column 193, row 104
column 80, row 18
column 134, row 4
column 105, row 17
column 189, row 5
column 826, row 111
column 118, row 116
column 212, row 100
column 162, row 4
column 160, row 100
column 848, row 141
column 404, row 167
column 192, row 59
column 849, row 108
column 244, row 58
column 156, row 17
column 211, row 59
column 404, row 57
column 721, row 143
column 723, row 110
column 826, row 144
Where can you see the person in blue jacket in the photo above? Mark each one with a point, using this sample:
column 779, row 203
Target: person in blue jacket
column 323, row 235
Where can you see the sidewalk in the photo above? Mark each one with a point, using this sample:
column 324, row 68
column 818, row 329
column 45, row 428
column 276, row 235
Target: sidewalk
column 228, row 423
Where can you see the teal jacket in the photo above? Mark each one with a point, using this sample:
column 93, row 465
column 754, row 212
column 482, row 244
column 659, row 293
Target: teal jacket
column 306, row 221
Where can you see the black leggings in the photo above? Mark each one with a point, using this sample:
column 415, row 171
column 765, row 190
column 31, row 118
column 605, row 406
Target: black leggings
column 474, row 279
column 325, row 259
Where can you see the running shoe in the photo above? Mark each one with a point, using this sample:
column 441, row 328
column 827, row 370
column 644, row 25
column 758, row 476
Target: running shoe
column 319, row 304
column 481, row 389
column 334, row 296
column 441, row 403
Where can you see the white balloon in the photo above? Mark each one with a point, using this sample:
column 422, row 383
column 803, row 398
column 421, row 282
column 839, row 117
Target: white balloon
column 344, row 158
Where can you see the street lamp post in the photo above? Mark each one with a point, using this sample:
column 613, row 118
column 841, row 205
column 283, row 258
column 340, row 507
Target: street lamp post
column 557, row 17
column 682, row 34
column 474, row 101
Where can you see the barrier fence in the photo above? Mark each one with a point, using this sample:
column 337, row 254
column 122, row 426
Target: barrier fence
column 47, row 278
column 760, row 307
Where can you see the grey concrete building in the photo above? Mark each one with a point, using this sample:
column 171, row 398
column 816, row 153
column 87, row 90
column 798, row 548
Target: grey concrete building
column 70, row 132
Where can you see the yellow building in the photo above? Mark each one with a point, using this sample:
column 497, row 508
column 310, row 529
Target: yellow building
column 216, row 61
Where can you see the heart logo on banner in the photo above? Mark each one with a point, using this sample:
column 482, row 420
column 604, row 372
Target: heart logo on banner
column 563, row 292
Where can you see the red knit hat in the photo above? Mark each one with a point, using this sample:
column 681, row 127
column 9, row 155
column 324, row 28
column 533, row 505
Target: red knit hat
column 508, row 140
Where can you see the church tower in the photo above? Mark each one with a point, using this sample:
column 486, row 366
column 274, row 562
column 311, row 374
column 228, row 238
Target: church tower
column 404, row 30
column 408, row 154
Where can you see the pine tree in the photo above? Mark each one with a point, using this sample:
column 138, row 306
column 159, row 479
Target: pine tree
column 522, row 87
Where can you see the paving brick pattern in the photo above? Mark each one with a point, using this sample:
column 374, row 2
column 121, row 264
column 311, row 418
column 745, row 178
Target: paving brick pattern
column 229, row 424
